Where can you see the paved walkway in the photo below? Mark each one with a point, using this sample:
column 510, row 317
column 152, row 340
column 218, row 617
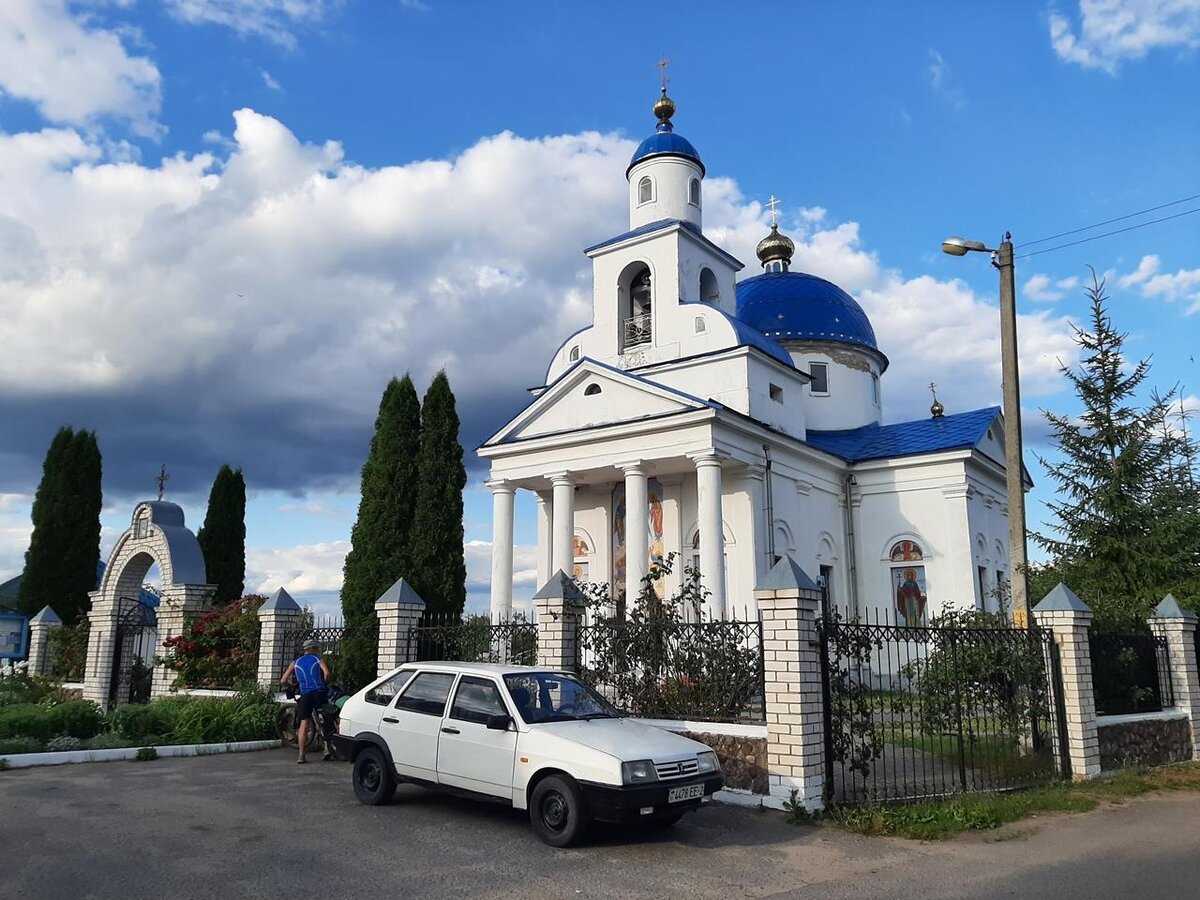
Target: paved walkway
column 257, row 825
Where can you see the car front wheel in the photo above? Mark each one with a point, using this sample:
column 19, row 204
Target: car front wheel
column 556, row 811
column 373, row 780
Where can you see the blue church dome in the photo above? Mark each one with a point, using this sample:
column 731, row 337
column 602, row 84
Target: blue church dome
column 798, row 306
column 664, row 141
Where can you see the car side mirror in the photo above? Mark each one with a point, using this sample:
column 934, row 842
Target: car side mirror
column 499, row 722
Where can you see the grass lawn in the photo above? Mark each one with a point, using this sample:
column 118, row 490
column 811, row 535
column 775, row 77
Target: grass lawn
column 979, row 812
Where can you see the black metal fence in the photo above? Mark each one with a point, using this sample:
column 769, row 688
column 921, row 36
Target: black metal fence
column 707, row 671
column 334, row 640
column 921, row 712
column 474, row 638
column 1131, row 673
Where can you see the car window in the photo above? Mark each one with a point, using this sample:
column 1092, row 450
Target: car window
column 555, row 697
column 427, row 693
column 476, row 699
column 385, row 692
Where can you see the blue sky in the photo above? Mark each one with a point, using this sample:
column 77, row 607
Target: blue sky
column 225, row 223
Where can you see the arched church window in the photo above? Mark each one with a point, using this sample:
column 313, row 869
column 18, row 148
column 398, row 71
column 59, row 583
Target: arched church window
column 701, row 325
column 636, row 307
column 591, row 390
column 710, row 291
column 142, row 528
column 645, row 190
column 574, row 354
column 694, row 192
column 908, row 583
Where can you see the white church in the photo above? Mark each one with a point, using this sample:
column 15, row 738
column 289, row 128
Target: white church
column 732, row 421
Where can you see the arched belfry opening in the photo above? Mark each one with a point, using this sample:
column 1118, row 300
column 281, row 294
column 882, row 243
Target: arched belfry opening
column 128, row 623
column 635, row 306
column 710, row 290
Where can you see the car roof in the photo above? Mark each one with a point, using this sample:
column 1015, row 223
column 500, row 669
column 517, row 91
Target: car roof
column 473, row 668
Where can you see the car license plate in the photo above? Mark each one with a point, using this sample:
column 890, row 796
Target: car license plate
column 688, row 792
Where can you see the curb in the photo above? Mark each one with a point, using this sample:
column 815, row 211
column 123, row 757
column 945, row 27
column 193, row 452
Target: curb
column 28, row 760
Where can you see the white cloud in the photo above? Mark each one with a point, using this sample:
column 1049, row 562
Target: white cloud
column 941, row 79
column 15, row 528
column 1113, row 31
column 1043, row 289
column 301, row 568
column 74, row 70
column 273, row 20
column 270, row 82
column 1182, row 286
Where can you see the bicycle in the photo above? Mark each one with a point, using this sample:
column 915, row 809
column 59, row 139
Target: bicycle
column 322, row 723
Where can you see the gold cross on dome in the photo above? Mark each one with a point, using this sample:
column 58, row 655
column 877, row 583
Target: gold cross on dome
column 662, row 72
column 773, row 205
column 161, row 480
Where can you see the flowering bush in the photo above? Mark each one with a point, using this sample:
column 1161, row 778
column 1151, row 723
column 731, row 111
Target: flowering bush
column 218, row 650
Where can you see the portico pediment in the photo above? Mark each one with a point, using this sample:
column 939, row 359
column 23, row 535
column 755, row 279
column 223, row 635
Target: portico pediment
column 591, row 395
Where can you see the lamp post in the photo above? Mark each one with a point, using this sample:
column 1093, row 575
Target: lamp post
column 1014, row 469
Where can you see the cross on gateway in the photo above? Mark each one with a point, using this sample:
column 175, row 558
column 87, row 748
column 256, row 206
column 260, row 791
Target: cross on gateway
column 161, row 480
column 773, row 204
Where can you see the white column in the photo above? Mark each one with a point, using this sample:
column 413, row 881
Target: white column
column 712, row 534
column 756, row 495
column 503, row 495
column 562, row 547
column 637, row 529
column 543, row 538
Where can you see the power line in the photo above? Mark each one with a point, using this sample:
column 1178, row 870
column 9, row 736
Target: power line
column 1109, row 221
column 1096, row 237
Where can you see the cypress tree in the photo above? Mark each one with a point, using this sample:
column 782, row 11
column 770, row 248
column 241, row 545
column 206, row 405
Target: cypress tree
column 381, row 534
column 223, row 536
column 60, row 565
column 1121, row 503
column 439, row 571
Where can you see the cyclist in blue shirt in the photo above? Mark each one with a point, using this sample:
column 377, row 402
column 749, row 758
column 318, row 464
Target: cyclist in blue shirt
column 312, row 675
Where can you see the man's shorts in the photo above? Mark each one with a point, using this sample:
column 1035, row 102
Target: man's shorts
column 309, row 703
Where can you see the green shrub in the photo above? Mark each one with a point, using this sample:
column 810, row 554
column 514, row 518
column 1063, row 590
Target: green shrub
column 10, row 746
column 110, row 741
column 22, row 688
column 219, row 649
column 133, row 720
column 145, row 754
column 246, row 717
column 76, row 718
column 4, row 766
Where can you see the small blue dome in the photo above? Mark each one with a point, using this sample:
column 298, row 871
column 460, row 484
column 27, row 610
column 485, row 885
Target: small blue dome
column 794, row 305
column 665, row 143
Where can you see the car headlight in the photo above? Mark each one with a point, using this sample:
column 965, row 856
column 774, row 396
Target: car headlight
column 708, row 761
column 638, row 772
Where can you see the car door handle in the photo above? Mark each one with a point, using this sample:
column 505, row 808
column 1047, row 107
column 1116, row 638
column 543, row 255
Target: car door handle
column 449, row 730
column 390, row 719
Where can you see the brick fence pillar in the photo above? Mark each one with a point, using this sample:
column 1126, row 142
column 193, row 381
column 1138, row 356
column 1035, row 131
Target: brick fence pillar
column 559, row 606
column 40, row 628
column 178, row 606
column 789, row 604
column 277, row 619
column 1178, row 626
column 399, row 610
column 1069, row 620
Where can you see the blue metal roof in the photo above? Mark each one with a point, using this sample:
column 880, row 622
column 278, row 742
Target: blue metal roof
column 665, row 142
column 960, row 431
column 797, row 305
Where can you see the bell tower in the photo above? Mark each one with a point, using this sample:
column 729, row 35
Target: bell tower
column 666, row 173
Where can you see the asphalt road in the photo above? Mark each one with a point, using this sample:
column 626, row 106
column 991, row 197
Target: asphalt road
column 257, row 825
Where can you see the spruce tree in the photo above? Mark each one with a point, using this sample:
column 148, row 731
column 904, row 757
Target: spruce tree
column 223, row 536
column 381, row 534
column 1109, row 542
column 439, row 571
column 64, row 549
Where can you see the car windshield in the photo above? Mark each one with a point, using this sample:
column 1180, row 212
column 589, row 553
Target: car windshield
column 556, row 697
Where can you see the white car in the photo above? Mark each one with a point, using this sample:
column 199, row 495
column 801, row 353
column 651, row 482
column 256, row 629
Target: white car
column 534, row 738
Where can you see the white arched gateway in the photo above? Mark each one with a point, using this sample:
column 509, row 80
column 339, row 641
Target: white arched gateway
column 124, row 629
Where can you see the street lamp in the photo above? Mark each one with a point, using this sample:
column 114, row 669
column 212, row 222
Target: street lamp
column 1002, row 259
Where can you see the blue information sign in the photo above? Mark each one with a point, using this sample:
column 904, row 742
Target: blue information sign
column 14, row 635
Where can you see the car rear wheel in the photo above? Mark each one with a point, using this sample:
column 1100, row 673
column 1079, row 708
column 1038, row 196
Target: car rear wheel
column 556, row 811
column 373, row 780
